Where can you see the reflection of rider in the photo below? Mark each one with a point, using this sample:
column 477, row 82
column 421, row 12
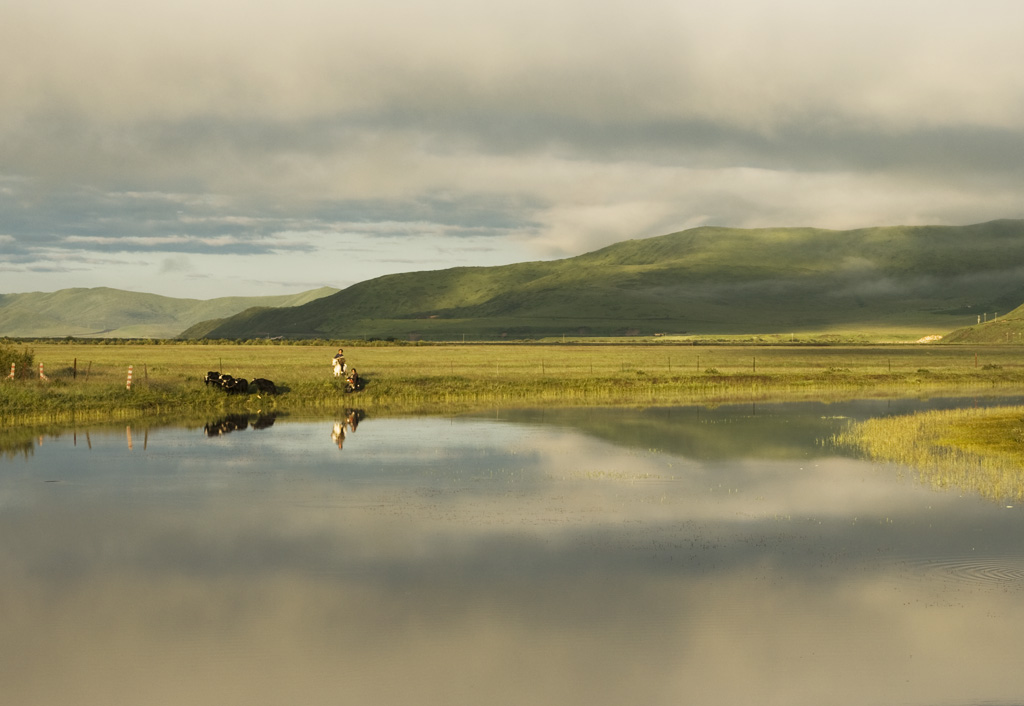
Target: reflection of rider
column 352, row 420
column 341, row 429
column 338, row 433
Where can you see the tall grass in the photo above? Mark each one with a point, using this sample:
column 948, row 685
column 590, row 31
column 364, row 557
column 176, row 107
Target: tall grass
column 20, row 363
column 973, row 450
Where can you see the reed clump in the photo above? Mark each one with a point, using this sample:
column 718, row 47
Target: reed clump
column 972, row 450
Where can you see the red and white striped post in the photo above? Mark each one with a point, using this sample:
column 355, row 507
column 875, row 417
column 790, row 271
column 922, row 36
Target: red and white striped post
column 128, row 386
column 41, row 376
column 11, row 376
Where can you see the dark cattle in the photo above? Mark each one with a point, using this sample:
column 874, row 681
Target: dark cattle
column 212, row 378
column 239, row 386
column 263, row 385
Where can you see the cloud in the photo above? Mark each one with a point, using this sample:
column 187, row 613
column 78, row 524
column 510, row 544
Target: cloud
column 549, row 128
column 178, row 263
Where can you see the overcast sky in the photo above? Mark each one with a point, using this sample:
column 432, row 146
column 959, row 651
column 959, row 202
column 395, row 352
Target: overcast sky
column 244, row 147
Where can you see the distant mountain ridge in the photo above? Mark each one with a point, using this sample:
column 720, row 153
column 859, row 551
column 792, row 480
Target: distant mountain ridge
column 103, row 312
column 704, row 280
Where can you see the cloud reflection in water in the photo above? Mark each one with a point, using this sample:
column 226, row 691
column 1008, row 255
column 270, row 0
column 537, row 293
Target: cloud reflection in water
column 467, row 561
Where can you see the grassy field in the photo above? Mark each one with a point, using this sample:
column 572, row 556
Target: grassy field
column 970, row 450
column 980, row 451
column 88, row 381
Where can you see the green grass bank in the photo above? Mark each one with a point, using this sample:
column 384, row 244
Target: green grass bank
column 970, row 450
column 88, row 382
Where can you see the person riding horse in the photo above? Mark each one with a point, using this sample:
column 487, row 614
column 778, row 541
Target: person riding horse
column 340, row 367
column 353, row 382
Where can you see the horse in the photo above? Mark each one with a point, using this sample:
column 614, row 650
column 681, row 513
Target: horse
column 340, row 367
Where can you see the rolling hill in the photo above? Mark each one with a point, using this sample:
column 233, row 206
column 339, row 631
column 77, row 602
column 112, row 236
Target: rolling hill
column 924, row 279
column 1005, row 328
column 115, row 313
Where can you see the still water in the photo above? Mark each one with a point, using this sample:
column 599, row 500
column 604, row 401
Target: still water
column 660, row 556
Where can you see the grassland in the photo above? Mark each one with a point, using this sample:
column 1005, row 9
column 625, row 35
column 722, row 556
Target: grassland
column 88, row 381
column 977, row 451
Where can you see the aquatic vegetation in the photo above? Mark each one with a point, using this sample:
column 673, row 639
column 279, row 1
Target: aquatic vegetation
column 972, row 450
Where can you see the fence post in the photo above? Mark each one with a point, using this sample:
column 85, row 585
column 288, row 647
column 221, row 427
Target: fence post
column 128, row 386
column 41, row 376
column 11, row 376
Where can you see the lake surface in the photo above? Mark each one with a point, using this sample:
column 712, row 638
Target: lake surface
column 659, row 556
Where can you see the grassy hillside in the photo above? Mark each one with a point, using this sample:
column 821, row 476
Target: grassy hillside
column 113, row 313
column 1004, row 328
column 926, row 279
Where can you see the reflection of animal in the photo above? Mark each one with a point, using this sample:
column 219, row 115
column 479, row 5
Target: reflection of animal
column 230, row 423
column 264, row 421
column 264, row 385
column 238, row 422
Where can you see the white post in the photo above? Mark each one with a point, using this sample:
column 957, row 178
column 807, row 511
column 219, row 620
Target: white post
column 41, row 376
column 128, row 386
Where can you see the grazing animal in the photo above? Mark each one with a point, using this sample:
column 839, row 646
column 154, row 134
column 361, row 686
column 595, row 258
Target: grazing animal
column 212, row 378
column 263, row 385
column 239, row 386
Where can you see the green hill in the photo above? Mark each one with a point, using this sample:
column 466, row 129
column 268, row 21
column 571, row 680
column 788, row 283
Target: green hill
column 115, row 313
column 927, row 279
column 1005, row 328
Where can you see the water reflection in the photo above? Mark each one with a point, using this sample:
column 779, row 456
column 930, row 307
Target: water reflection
column 567, row 557
column 239, row 422
column 757, row 430
column 348, row 423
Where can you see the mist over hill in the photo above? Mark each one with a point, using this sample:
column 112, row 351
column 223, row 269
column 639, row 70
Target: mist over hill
column 103, row 312
column 701, row 281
